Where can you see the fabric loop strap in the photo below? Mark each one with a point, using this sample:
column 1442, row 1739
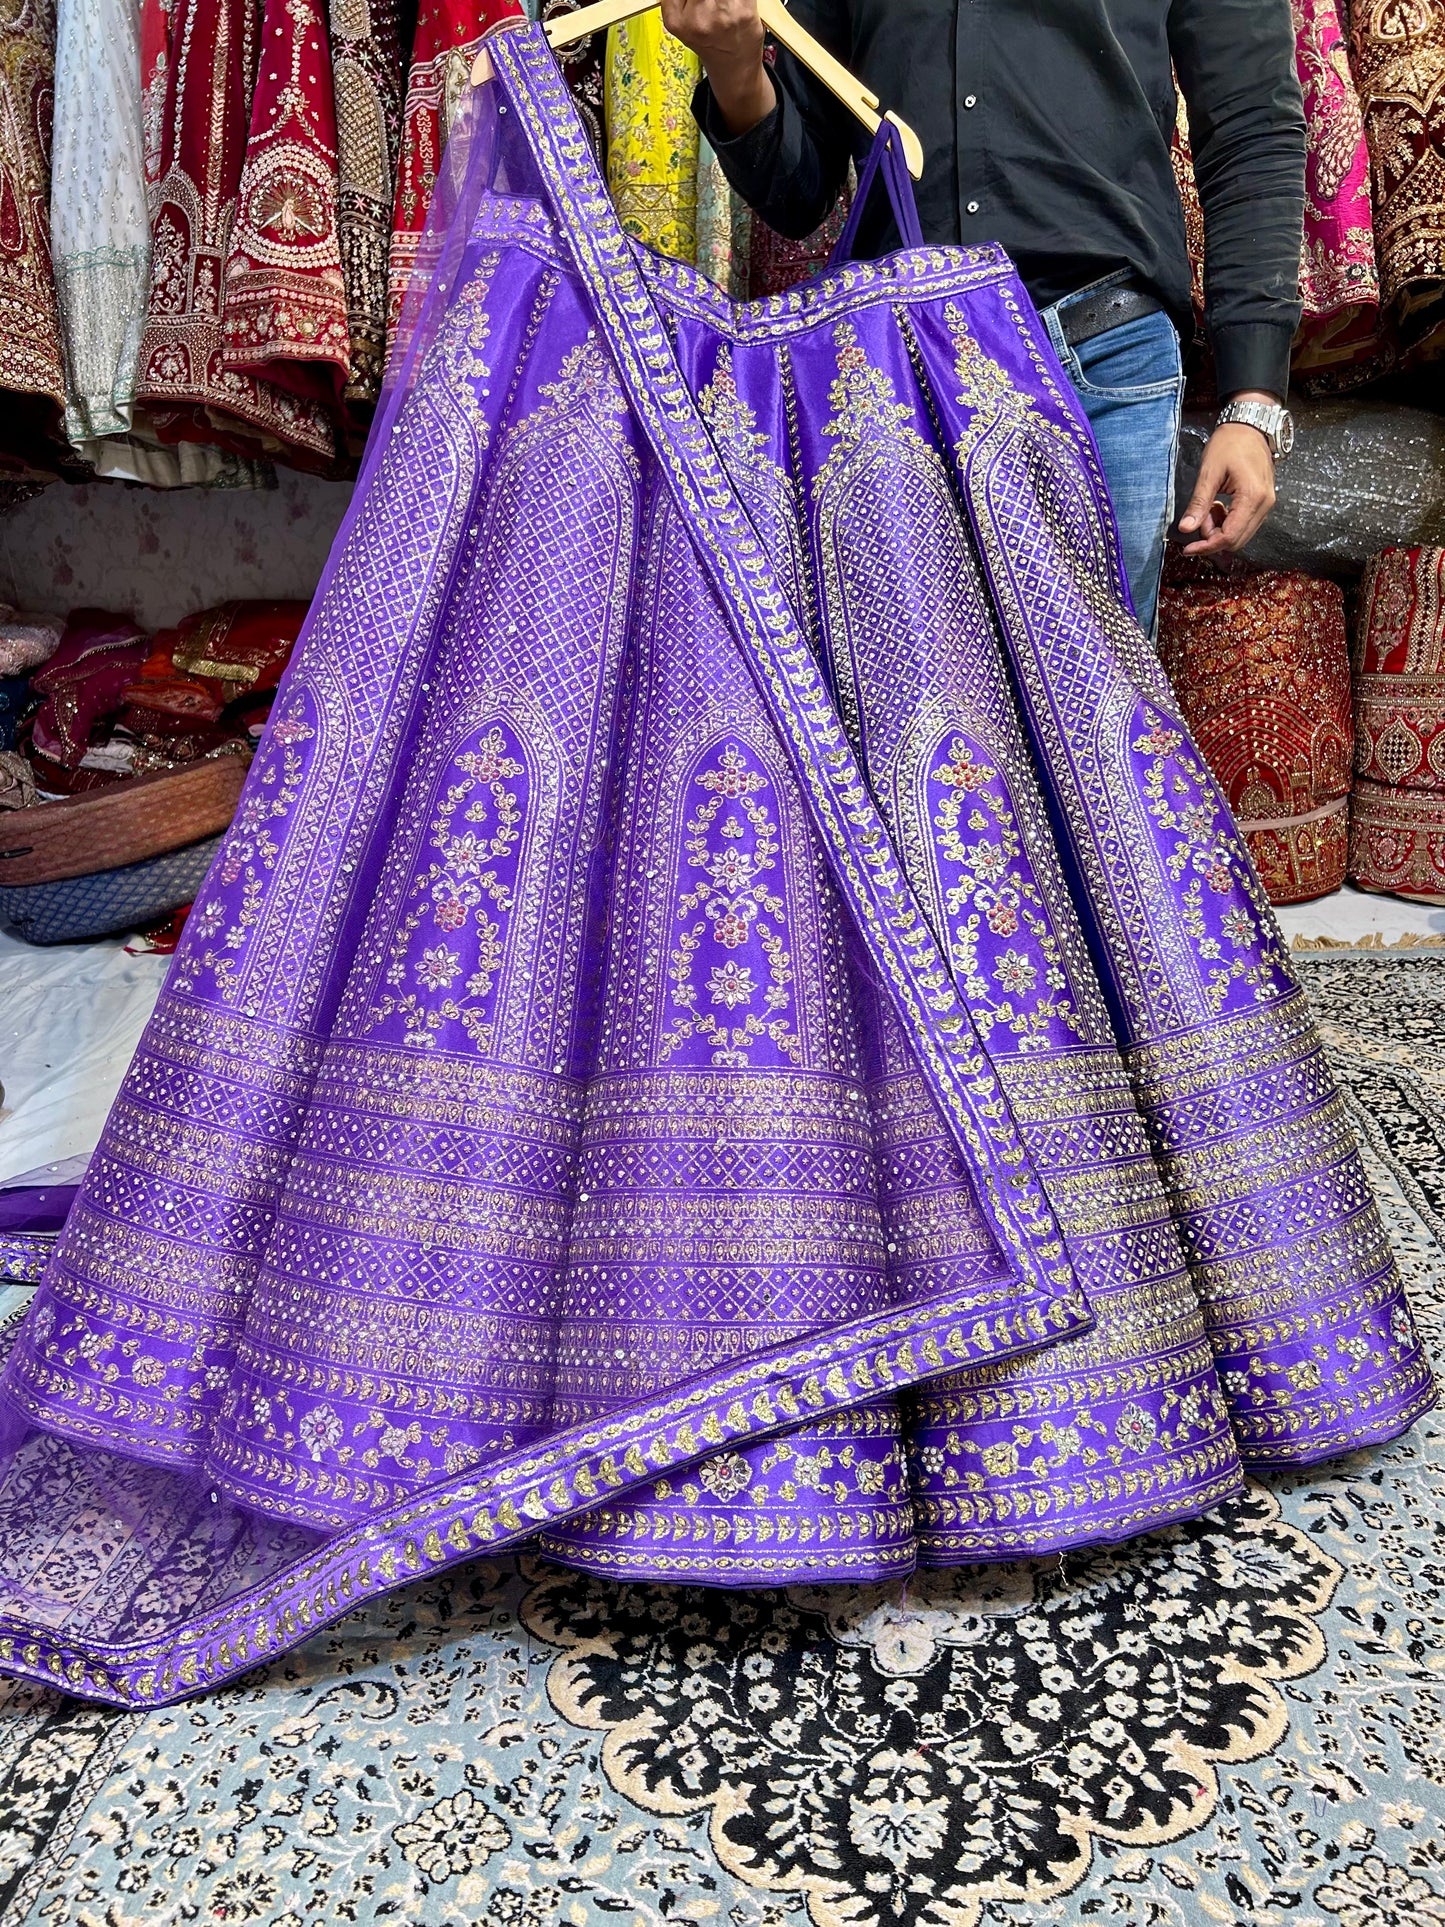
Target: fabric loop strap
column 885, row 153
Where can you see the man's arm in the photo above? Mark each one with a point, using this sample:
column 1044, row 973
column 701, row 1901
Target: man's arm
column 1236, row 65
column 782, row 139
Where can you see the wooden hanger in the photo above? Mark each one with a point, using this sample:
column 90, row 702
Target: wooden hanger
column 561, row 32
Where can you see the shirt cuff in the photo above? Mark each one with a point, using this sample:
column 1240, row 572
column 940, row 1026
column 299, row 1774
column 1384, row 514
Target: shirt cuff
column 1252, row 354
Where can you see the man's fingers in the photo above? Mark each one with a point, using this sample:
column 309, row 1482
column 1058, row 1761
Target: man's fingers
column 1206, row 488
column 1246, row 515
column 1211, row 540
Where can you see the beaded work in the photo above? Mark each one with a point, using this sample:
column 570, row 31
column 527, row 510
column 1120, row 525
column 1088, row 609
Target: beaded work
column 732, row 1032
column 1397, row 841
column 1262, row 673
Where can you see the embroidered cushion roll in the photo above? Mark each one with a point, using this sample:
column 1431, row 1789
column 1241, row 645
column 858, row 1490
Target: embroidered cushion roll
column 1397, row 841
column 1261, row 669
column 732, row 1033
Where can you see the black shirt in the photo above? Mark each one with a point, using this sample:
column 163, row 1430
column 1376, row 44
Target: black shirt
column 1046, row 126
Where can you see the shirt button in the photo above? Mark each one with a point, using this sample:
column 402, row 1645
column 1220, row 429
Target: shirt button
column 970, row 100
column 973, row 207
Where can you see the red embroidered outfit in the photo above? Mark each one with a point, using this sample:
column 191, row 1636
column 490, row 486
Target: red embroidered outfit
column 366, row 69
column 285, row 308
column 1397, row 841
column 183, row 371
column 448, row 34
column 1262, row 673
column 31, row 357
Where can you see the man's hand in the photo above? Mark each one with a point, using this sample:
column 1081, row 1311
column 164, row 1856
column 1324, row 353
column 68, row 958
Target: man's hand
column 727, row 36
column 1239, row 463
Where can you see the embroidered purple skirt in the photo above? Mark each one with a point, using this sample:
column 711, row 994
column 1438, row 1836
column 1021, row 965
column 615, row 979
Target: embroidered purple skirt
column 732, row 1032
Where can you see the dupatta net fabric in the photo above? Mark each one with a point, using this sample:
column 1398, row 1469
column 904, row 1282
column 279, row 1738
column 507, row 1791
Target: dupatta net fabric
column 732, row 1033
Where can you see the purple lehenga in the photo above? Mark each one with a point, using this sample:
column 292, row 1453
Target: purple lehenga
column 732, row 1034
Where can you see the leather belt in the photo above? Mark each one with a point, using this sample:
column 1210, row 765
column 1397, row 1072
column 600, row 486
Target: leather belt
column 1082, row 316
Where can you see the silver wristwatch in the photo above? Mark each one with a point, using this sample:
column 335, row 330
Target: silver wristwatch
column 1274, row 422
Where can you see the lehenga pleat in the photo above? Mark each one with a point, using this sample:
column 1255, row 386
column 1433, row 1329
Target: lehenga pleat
column 732, row 1031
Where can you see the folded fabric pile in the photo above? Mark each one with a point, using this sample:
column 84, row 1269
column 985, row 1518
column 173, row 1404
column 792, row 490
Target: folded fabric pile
column 88, row 842
column 26, row 642
column 1397, row 842
column 1261, row 668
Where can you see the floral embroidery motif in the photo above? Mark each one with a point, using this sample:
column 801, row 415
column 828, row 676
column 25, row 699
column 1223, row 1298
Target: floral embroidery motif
column 861, row 403
column 460, row 349
column 231, row 905
column 989, row 893
column 1234, row 945
column 446, row 955
column 731, row 906
column 1000, row 405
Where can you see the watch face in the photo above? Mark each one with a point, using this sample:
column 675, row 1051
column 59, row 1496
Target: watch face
column 1284, row 434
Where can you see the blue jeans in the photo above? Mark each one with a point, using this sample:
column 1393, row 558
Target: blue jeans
column 1130, row 383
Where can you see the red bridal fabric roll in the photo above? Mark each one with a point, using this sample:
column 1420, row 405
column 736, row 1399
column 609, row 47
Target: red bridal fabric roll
column 1397, row 841
column 1262, row 672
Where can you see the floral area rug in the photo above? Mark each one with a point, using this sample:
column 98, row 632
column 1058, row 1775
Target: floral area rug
column 1241, row 1721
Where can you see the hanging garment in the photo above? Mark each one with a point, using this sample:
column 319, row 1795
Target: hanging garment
column 1261, row 669
column 1339, row 278
column 285, row 315
column 100, row 222
column 157, row 18
column 106, row 170
column 192, row 394
column 1181, row 156
column 448, row 34
column 724, row 227
column 1397, row 840
column 584, row 62
column 622, row 1084
column 652, row 135
column 1398, row 58
column 32, row 366
column 367, row 78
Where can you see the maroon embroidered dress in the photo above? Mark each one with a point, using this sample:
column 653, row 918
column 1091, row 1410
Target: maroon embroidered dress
column 285, row 309
column 183, row 374
column 448, row 34
column 32, row 362
column 366, row 75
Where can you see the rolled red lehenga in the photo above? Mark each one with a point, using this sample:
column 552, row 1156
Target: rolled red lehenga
column 732, row 1035
column 1261, row 669
column 1397, row 841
